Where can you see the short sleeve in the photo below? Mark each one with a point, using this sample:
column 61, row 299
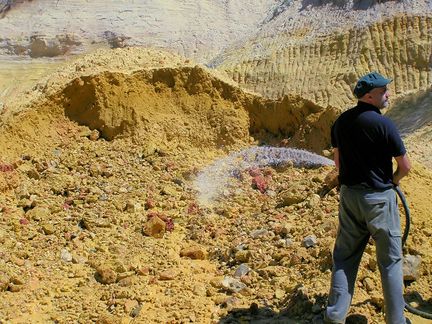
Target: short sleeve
column 394, row 140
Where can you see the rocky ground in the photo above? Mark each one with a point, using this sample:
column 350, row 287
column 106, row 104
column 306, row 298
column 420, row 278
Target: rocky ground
column 112, row 230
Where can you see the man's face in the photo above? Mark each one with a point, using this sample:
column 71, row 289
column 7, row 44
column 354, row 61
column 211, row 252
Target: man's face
column 379, row 97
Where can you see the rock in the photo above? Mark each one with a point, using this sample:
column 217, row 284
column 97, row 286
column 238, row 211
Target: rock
column 233, row 285
column 24, row 221
column 284, row 243
column 95, row 169
column 4, row 282
column 411, row 267
column 289, row 197
column 65, row 255
column 125, row 282
column 149, row 204
column 135, row 311
column 17, row 261
column 17, row 280
column 200, row 290
column 194, row 252
column 260, row 183
column 154, row 227
column 377, row 300
column 105, row 275
column 14, row 288
column 279, row 293
column 313, row 201
column 48, row 228
column 94, row 135
column 169, row 191
column 132, row 206
column 142, row 271
column 369, row 284
column 130, row 305
column 169, row 274
column 108, row 319
column 257, row 233
column 372, row 264
column 310, row 241
column 242, row 270
column 216, row 282
column 243, row 256
column 33, row 174
column 38, row 214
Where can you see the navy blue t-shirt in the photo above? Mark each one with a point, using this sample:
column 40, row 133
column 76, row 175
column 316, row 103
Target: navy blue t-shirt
column 367, row 141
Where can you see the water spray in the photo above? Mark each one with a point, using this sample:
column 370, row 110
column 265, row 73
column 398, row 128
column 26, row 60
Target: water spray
column 212, row 181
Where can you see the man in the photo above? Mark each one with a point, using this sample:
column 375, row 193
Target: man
column 365, row 142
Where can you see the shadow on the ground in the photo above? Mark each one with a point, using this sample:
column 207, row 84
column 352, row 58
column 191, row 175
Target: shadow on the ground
column 296, row 308
column 418, row 304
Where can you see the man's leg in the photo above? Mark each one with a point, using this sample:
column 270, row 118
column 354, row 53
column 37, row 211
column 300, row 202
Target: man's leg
column 350, row 243
column 386, row 231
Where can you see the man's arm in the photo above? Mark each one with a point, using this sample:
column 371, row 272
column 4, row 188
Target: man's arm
column 336, row 157
column 403, row 167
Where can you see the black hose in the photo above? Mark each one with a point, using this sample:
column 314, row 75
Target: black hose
column 410, row 308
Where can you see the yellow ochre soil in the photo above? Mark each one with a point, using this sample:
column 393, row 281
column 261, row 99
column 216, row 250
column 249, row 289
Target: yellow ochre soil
column 100, row 217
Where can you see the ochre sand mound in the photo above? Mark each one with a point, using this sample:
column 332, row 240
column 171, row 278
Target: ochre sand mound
column 85, row 167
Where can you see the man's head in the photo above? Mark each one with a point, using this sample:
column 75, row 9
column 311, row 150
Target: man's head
column 372, row 88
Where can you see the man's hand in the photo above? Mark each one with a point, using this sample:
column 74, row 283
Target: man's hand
column 331, row 181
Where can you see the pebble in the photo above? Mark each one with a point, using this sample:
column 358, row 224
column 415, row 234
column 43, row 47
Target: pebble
column 411, row 267
column 279, row 293
column 65, row 255
column 200, row 290
column 48, row 228
column 369, row 284
column 257, row 233
column 194, row 252
column 17, row 261
column 154, row 227
column 242, row 270
column 233, row 285
column 243, row 256
column 105, row 275
column 38, row 214
column 168, row 275
column 4, row 282
column 310, row 241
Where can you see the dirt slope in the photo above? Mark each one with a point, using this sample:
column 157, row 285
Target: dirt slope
column 100, row 218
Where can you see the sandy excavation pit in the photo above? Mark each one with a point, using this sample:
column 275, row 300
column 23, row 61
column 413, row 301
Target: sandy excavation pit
column 100, row 218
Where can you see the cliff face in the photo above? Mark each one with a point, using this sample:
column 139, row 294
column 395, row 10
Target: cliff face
column 197, row 29
column 325, row 68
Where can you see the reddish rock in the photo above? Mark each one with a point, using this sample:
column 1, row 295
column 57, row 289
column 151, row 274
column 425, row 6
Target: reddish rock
column 168, row 275
column 105, row 275
column 168, row 221
column 259, row 183
column 149, row 204
column 254, row 172
column 155, row 227
column 194, row 252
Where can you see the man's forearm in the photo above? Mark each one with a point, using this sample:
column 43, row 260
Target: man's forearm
column 403, row 167
column 398, row 175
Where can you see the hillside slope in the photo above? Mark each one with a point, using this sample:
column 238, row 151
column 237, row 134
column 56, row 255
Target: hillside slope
column 100, row 217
